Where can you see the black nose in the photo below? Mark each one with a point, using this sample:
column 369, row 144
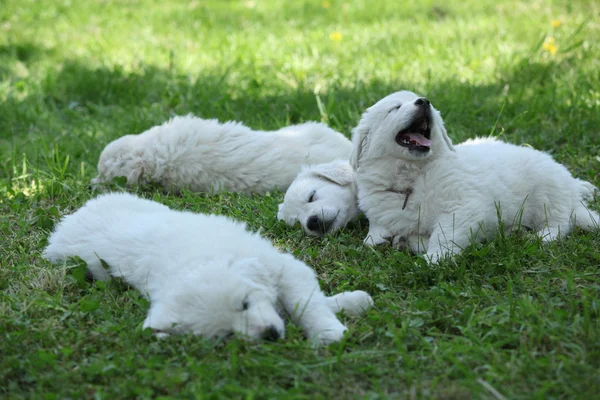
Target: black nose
column 315, row 224
column 270, row 334
column 422, row 102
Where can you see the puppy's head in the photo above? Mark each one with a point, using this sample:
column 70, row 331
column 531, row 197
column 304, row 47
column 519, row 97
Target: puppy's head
column 322, row 198
column 220, row 299
column 401, row 125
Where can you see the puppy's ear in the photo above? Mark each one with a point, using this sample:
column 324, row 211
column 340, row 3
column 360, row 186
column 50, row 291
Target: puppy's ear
column 446, row 137
column 360, row 141
column 253, row 270
column 339, row 173
column 280, row 212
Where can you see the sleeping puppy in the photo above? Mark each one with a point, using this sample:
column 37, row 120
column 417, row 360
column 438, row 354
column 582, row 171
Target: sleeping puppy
column 205, row 155
column 416, row 188
column 322, row 198
column 203, row 274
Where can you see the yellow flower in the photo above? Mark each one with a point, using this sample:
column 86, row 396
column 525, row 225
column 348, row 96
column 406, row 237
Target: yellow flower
column 549, row 46
column 335, row 36
column 556, row 23
column 326, row 4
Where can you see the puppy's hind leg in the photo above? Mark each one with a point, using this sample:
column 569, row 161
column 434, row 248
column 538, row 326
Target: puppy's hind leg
column 551, row 233
column 447, row 240
column 585, row 218
column 556, row 225
column 353, row 304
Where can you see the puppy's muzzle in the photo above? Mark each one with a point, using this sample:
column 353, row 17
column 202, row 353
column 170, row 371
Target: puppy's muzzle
column 417, row 137
column 318, row 225
column 271, row 334
column 422, row 102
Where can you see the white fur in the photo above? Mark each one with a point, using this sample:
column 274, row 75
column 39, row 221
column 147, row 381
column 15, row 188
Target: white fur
column 458, row 193
column 198, row 270
column 206, row 155
column 325, row 193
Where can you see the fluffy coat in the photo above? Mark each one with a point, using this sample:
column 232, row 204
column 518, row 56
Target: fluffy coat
column 205, row 155
column 414, row 186
column 203, row 274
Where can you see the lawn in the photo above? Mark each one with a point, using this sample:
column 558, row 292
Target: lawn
column 507, row 319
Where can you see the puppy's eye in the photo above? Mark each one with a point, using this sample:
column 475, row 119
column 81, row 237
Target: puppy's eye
column 245, row 304
column 311, row 197
column 396, row 108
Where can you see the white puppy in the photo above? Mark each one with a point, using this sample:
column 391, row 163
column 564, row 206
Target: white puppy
column 203, row 274
column 414, row 186
column 206, row 155
column 322, row 198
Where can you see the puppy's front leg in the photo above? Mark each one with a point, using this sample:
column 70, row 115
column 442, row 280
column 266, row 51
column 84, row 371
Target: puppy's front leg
column 306, row 304
column 377, row 235
column 352, row 303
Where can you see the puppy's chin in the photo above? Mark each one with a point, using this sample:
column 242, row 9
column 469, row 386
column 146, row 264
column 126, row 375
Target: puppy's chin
column 338, row 223
column 414, row 155
column 312, row 233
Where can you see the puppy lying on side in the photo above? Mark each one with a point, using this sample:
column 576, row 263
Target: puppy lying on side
column 414, row 186
column 206, row 155
column 322, row 198
column 203, row 274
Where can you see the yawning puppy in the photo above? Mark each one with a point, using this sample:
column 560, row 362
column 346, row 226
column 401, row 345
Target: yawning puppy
column 414, row 186
column 322, row 198
column 203, row 274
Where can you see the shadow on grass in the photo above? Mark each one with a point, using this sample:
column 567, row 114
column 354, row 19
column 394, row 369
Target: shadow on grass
column 89, row 107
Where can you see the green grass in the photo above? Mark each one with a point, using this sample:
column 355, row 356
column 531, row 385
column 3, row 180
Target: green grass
column 510, row 318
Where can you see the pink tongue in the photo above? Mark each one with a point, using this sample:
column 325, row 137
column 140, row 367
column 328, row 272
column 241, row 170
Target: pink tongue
column 417, row 137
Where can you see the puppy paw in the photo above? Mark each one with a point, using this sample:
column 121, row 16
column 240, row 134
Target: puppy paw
column 400, row 243
column 353, row 304
column 376, row 241
column 549, row 235
column 161, row 334
column 330, row 335
column 434, row 257
column 377, row 236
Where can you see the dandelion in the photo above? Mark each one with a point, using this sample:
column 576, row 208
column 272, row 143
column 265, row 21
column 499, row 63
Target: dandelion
column 549, row 46
column 335, row 36
column 556, row 23
column 326, row 4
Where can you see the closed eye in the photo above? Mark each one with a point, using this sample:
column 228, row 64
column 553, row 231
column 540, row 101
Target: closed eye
column 311, row 198
column 395, row 108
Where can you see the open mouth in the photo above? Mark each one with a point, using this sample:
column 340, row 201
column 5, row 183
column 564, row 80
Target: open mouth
column 417, row 137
